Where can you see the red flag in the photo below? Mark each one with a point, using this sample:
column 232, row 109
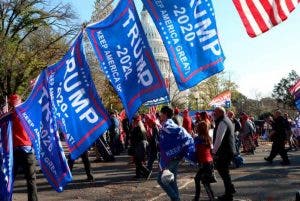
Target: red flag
column 259, row 16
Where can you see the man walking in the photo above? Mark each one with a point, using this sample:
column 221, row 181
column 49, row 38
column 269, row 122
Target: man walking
column 23, row 151
column 278, row 137
column 174, row 144
column 224, row 150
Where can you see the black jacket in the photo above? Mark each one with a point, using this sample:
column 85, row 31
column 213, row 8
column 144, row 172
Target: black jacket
column 227, row 148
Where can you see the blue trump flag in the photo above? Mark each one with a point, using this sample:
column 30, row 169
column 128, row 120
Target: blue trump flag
column 78, row 109
column 6, row 158
column 188, row 30
column 125, row 57
column 174, row 142
column 37, row 117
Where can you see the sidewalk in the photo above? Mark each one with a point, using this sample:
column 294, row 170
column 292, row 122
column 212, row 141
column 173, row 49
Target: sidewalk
column 256, row 181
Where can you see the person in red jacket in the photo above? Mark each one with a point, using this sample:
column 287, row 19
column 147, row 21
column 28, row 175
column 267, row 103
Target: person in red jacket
column 23, row 151
column 203, row 145
column 187, row 122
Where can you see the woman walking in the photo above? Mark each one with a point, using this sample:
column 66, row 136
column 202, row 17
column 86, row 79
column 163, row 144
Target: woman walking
column 205, row 174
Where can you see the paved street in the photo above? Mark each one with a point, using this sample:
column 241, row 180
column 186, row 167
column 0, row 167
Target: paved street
column 255, row 181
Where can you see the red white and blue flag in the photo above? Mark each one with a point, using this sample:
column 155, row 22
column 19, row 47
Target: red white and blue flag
column 78, row 109
column 126, row 58
column 295, row 91
column 6, row 158
column 223, row 99
column 259, row 16
column 189, row 32
column 37, row 117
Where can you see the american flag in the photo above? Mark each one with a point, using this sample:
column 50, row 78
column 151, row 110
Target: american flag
column 295, row 91
column 295, row 88
column 259, row 16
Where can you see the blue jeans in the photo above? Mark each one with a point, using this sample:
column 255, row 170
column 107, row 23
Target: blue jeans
column 171, row 188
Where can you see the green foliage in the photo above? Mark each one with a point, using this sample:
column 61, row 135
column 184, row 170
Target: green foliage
column 264, row 115
column 32, row 36
column 281, row 90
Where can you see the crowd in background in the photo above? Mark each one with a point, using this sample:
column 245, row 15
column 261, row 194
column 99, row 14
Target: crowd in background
column 219, row 139
column 141, row 138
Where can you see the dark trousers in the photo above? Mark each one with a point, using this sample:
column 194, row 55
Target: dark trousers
column 152, row 156
column 222, row 166
column 86, row 163
column 278, row 147
column 203, row 174
column 126, row 139
column 140, row 169
column 27, row 162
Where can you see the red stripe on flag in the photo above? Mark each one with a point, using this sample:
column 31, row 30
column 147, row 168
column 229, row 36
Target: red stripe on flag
column 257, row 16
column 269, row 9
column 290, row 5
column 280, row 10
column 276, row 11
column 244, row 18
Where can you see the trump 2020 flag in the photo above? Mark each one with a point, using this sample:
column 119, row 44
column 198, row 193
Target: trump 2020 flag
column 37, row 117
column 126, row 58
column 6, row 158
column 223, row 99
column 174, row 142
column 259, row 16
column 189, row 32
column 78, row 108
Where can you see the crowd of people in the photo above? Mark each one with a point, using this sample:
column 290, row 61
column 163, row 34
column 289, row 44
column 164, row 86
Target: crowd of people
column 211, row 141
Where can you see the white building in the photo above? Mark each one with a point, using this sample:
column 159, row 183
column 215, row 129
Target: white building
column 161, row 56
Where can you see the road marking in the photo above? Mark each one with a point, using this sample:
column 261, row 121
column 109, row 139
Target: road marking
column 181, row 187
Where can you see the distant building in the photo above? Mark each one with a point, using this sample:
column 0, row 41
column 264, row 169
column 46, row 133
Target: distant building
column 161, row 56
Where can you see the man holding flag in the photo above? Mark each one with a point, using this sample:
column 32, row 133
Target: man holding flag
column 174, row 144
column 23, row 151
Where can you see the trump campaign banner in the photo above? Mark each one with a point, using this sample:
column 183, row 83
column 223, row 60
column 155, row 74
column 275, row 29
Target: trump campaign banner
column 174, row 142
column 78, row 109
column 189, row 32
column 6, row 158
column 37, row 117
column 126, row 58
column 223, row 99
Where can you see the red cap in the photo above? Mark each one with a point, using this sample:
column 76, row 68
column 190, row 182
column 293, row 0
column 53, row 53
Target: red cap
column 14, row 100
column 176, row 111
